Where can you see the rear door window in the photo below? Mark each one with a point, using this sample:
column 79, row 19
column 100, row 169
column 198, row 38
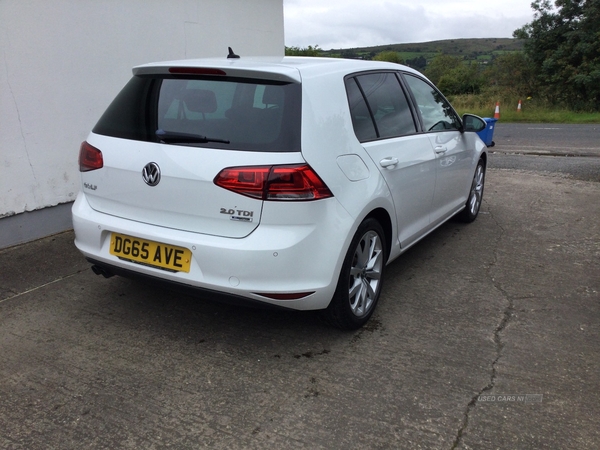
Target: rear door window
column 379, row 107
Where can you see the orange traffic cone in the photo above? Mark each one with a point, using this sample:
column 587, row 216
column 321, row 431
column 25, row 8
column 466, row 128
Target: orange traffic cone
column 519, row 106
column 497, row 111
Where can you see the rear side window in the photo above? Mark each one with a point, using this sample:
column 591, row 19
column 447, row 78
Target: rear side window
column 364, row 127
column 233, row 114
column 378, row 107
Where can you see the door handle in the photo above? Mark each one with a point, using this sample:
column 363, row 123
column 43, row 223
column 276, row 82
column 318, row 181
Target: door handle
column 388, row 162
column 440, row 150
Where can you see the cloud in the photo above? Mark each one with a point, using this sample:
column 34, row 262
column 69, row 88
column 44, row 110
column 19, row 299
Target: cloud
column 353, row 23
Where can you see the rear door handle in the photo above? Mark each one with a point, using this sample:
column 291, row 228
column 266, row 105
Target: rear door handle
column 440, row 150
column 388, row 162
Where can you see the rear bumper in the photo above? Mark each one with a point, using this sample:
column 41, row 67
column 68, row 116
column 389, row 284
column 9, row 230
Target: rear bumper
column 277, row 258
column 101, row 268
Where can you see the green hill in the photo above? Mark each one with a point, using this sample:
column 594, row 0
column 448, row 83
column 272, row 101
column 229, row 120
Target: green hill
column 416, row 54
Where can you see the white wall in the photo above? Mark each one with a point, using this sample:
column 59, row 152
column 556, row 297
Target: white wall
column 63, row 61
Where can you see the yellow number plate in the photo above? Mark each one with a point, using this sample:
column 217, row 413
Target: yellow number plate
column 149, row 252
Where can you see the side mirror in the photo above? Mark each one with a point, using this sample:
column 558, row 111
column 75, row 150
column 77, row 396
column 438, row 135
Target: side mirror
column 474, row 123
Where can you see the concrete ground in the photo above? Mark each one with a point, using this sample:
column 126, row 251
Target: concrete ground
column 487, row 336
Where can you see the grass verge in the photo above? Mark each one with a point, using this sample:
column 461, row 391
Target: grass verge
column 532, row 111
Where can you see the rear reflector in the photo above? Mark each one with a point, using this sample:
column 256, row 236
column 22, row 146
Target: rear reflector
column 196, row 71
column 291, row 296
column 90, row 158
column 283, row 183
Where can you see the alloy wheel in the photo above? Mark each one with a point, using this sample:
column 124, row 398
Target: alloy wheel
column 476, row 191
column 365, row 273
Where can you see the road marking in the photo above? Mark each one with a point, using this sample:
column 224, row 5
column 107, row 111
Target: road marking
column 544, row 128
column 547, row 147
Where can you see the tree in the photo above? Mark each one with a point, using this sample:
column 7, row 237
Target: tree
column 463, row 79
column 563, row 45
column 349, row 53
column 389, row 56
column 308, row 51
column 514, row 73
column 418, row 63
column 440, row 65
column 454, row 76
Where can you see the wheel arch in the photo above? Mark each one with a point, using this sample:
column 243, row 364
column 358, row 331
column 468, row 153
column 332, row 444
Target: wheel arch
column 483, row 157
column 382, row 216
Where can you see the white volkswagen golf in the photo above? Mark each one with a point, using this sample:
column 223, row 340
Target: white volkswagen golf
column 289, row 181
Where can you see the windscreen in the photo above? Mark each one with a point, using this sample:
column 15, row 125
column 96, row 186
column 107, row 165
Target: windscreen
column 220, row 112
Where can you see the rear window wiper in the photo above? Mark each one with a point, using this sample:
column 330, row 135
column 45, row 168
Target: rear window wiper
column 172, row 137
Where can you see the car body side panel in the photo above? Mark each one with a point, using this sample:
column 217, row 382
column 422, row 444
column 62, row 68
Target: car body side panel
column 411, row 181
column 454, row 163
column 327, row 134
column 454, row 171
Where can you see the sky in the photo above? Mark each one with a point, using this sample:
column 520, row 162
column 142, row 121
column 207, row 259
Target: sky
column 334, row 24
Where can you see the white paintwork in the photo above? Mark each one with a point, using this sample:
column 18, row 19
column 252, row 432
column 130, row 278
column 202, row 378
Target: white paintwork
column 186, row 198
column 353, row 167
column 297, row 246
column 412, row 180
column 63, row 61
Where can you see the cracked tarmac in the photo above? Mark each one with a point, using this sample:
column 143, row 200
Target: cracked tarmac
column 508, row 312
column 486, row 336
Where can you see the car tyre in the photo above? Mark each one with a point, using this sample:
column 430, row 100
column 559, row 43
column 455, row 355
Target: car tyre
column 471, row 211
column 361, row 278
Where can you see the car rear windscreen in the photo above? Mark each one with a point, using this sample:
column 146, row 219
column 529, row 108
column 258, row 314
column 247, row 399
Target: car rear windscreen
column 216, row 112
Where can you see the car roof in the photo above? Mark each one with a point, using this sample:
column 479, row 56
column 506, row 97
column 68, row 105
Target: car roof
column 289, row 68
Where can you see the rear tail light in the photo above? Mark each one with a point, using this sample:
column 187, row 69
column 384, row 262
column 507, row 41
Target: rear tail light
column 90, row 158
column 297, row 182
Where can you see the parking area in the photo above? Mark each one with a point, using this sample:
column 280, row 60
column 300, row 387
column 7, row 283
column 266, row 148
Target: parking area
column 486, row 337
